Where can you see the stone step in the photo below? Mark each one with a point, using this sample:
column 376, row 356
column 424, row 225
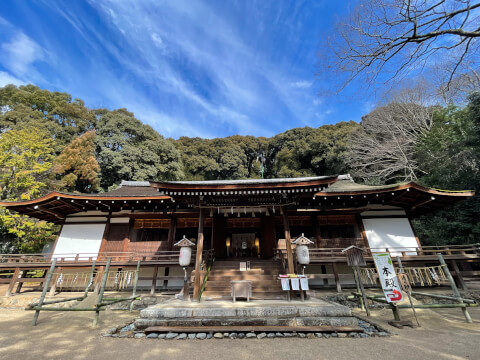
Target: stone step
column 256, row 285
column 221, row 272
column 261, row 296
column 293, row 309
column 252, row 328
column 253, row 317
column 236, row 265
column 262, row 277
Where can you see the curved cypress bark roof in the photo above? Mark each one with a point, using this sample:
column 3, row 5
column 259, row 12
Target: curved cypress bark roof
column 317, row 193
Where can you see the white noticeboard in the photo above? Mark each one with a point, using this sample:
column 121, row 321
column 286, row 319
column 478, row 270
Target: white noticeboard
column 387, row 277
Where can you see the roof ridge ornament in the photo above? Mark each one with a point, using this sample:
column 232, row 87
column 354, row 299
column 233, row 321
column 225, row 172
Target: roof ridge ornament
column 302, row 240
column 184, row 242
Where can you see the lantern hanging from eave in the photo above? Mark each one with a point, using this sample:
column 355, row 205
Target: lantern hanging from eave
column 185, row 251
column 303, row 256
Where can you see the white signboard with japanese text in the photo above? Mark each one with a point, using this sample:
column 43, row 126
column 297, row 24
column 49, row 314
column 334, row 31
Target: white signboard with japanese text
column 387, row 277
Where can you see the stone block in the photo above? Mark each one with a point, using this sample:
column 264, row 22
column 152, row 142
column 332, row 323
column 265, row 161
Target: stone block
column 214, row 312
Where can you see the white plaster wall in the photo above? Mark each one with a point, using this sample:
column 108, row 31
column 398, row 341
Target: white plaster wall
column 80, row 239
column 390, row 233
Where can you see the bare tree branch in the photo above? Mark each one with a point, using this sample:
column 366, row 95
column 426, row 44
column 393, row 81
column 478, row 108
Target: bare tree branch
column 405, row 34
column 384, row 149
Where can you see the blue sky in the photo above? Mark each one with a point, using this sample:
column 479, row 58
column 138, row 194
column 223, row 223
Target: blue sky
column 187, row 68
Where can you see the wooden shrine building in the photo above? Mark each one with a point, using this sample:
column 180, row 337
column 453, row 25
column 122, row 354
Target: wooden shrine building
column 235, row 219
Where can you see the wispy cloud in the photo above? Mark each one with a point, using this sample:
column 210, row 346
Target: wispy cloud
column 195, row 68
column 303, row 84
column 6, row 79
column 20, row 53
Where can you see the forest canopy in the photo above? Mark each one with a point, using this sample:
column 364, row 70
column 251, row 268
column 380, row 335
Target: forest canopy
column 52, row 141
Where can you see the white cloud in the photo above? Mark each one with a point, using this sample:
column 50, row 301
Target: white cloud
column 20, row 53
column 157, row 40
column 302, row 84
column 6, row 78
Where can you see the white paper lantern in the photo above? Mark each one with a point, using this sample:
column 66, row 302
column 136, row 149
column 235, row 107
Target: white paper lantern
column 185, row 256
column 185, row 251
column 303, row 256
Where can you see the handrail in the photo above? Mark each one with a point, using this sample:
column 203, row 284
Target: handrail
column 316, row 253
column 172, row 255
column 283, row 260
column 166, row 255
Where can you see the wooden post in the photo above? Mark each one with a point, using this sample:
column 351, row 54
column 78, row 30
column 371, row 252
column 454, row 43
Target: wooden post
column 135, row 282
column 12, row 282
column 456, row 293
column 198, row 259
column 102, row 290
column 357, row 270
column 20, row 283
column 356, row 276
column 44, row 292
column 459, row 276
column 288, row 242
column 154, row 280
column 97, row 279
column 186, row 290
column 362, row 231
column 337, row 279
column 171, row 232
column 53, row 288
column 165, row 280
column 90, row 279
column 316, row 231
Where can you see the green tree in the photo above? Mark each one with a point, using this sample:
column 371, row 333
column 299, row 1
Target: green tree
column 77, row 165
column 25, row 168
column 450, row 154
column 310, row 151
column 29, row 106
column 129, row 150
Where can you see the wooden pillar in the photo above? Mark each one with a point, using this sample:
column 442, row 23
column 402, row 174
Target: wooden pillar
column 20, row 283
column 154, row 280
column 337, row 279
column 198, row 261
column 361, row 228
column 288, row 242
column 165, row 281
column 53, row 288
column 13, row 281
column 458, row 275
column 316, row 231
column 171, row 232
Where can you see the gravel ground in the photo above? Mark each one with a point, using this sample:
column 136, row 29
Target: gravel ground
column 443, row 335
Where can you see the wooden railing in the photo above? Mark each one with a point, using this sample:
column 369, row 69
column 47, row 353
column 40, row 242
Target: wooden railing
column 341, row 242
column 145, row 257
column 425, row 251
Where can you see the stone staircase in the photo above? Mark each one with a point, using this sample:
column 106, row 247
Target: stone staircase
column 262, row 273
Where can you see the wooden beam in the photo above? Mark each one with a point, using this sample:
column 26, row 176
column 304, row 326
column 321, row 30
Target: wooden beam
column 430, row 199
column 154, row 280
column 288, row 242
column 198, row 262
column 337, row 279
column 12, row 282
